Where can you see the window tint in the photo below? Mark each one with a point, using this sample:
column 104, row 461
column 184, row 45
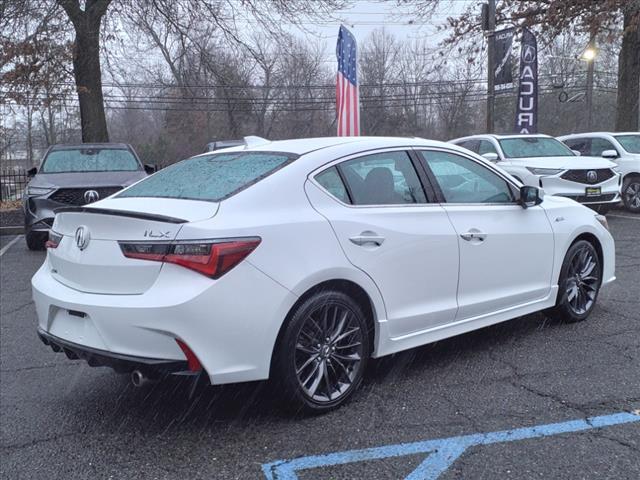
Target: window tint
column 211, row 177
column 470, row 145
column 464, row 181
column 599, row 145
column 332, row 182
column 486, row 147
column 525, row 147
column 90, row 160
column 582, row 145
column 383, row 179
column 631, row 143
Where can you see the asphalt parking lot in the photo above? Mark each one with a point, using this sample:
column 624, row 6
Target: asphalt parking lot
column 64, row 419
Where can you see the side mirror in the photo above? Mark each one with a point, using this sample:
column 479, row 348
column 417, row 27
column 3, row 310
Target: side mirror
column 491, row 156
column 150, row 168
column 32, row 172
column 530, row 196
column 610, row 154
column 576, row 152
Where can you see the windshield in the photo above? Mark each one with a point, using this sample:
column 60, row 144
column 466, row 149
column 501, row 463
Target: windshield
column 631, row 143
column 211, row 177
column 525, row 147
column 90, row 160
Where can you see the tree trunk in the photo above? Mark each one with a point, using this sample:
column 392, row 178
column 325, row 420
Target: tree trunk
column 88, row 76
column 629, row 75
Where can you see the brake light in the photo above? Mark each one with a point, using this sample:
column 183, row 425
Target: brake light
column 54, row 240
column 211, row 258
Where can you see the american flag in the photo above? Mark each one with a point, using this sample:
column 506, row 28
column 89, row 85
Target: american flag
column 347, row 94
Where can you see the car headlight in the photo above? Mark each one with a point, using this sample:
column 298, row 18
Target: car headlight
column 544, row 171
column 603, row 221
column 38, row 190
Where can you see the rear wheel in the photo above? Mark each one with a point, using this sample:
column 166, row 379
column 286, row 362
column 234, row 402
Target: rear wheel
column 631, row 194
column 579, row 283
column 323, row 352
column 35, row 240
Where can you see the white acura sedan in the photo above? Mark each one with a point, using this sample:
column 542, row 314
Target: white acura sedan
column 300, row 260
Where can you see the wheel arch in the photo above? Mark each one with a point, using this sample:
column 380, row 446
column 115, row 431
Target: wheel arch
column 348, row 287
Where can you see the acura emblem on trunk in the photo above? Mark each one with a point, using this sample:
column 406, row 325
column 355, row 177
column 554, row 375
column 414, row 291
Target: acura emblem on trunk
column 91, row 196
column 82, row 237
column 592, row 176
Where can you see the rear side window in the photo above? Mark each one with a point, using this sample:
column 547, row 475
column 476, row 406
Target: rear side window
column 332, row 183
column 210, row 177
column 90, row 160
column 383, row 179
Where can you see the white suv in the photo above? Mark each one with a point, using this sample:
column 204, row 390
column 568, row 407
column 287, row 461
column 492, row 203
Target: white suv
column 543, row 161
column 622, row 148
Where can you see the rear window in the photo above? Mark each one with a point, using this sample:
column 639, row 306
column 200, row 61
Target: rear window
column 90, row 160
column 210, row 177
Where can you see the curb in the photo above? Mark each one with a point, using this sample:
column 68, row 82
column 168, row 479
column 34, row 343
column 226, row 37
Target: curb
column 16, row 230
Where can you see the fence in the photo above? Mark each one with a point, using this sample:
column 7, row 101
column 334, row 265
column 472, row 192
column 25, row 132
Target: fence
column 12, row 184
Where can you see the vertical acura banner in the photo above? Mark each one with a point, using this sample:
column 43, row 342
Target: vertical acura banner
column 527, row 109
column 503, row 72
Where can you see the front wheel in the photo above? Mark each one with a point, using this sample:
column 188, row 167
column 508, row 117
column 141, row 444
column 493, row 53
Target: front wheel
column 579, row 283
column 631, row 194
column 323, row 352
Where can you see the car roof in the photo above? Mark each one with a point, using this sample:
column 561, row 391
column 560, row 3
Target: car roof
column 75, row 146
column 501, row 136
column 303, row 146
column 590, row 134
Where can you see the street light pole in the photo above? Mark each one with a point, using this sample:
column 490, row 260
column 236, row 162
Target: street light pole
column 589, row 56
column 491, row 30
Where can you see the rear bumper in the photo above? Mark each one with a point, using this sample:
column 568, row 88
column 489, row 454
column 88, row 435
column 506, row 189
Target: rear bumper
column 119, row 362
column 230, row 324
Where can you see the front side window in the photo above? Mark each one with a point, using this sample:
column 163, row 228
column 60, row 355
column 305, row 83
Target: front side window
column 582, row 145
column 470, row 145
column 462, row 180
column 599, row 145
column 90, row 160
column 210, row 177
column 383, row 179
column 486, row 147
column 526, row 147
column 631, row 143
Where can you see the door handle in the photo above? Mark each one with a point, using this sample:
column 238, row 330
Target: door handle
column 473, row 236
column 367, row 238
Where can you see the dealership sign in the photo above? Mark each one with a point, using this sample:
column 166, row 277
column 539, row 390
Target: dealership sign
column 527, row 109
column 503, row 71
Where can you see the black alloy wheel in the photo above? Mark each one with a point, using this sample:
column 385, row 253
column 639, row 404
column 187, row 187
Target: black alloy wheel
column 323, row 352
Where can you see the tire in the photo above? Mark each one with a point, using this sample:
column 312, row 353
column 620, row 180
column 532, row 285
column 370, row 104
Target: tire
column 631, row 194
column 35, row 240
column 579, row 283
column 322, row 353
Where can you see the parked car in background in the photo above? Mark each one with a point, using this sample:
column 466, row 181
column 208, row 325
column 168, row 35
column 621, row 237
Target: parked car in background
column 543, row 161
column 623, row 148
column 299, row 260
column 72, row 175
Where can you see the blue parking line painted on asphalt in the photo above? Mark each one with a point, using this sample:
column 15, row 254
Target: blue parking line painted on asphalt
column 442, row 452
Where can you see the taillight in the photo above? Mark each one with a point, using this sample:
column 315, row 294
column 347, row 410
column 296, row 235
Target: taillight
column 212, row 258
column 54, row 240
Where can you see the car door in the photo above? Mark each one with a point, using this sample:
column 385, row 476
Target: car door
column 379, row 210
column 506, row 252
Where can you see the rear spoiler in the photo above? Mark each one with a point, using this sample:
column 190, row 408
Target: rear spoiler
column 122, row 213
